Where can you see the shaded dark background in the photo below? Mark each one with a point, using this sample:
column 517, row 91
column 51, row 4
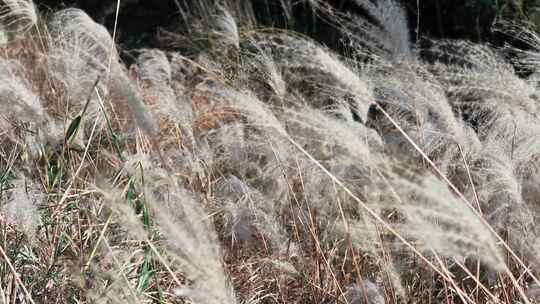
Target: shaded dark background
column 139, row 20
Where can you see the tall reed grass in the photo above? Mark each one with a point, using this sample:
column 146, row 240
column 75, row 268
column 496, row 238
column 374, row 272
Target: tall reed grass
column 255, row 165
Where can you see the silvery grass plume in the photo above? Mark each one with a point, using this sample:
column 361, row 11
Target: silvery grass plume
column 386, row 35
column 210, row 27
column 500, row 106
column 524, row 148
column 205, row 9
column 18, row 15
column 78, row 56
column 154, row 67
column 501, row 199
column 183, row 71
column 187, row 241
column 317, row 73
column 530, row 191
column 503, row 110
column 128, row 93
column 73, row 31
column 233, row 195
column 254, row 144
column 365, row 292
column 257, row 157
column 257, row 113
column 231, row 150
column 418, row 103
column 357, row 158
column 155, row 72
column 19, row 103
column 21, row 208
column 248, row 208
column 323, row 198
column 223, row 40
column 190, row 240
column 347, row 156
column 267, row 142
column 21, row 107
column 4, row 36
column 356, row 144
column 352, row 155
column 71, row 72
column 392, row 19
column 527, row 58
column 524, row 151
column 130, row 233
column 482, row 86
column 442, row 223
column 261, row 73
column 461, row 54
column 244, row 11
column 224, row 28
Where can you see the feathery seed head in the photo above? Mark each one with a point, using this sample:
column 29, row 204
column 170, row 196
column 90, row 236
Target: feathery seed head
column 18, row 14
column 74, row 30
column 22, row 207
column 225, row 28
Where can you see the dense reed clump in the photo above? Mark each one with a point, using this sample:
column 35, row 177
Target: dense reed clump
column 255, row 165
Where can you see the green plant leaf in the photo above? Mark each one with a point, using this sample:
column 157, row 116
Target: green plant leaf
column 73, row 128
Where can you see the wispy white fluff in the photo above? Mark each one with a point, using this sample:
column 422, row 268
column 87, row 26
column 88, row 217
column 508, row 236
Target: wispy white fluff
column 249, row 208
column 19, row 102
column 260, row 64
column 441, row 222
column 358, row 87
column 70, row 70
column 257, row 113
column 133, row 98
column 78, row 56
column 155, row 71
column 364, row 291
column 21, row 209
column 154, row 67
column 387, row 36
column 225, row 28
column 21, row 106
column 19, row 13
column 499, row 189
column 502, row 107
column 4, row 38
column 418, row 102
column 73, row 29
column 392, row 18
column 355, row 139
column 528, row 57
column 319, row 71
column 191, row 241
